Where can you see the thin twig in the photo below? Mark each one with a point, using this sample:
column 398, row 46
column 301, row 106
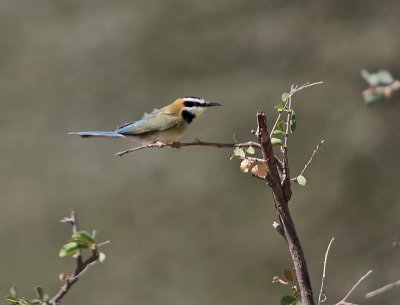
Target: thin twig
column 321, row 291
column 194, row 143
column 276, row 121
column 293, row 90
column 285, row 106
column 298, row 88
column 344, row 300
column 311, row 158
column 382, row 289
column 284, row 148
column 81, row 265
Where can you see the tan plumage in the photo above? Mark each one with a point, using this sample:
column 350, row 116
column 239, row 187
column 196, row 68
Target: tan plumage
column 165, row 125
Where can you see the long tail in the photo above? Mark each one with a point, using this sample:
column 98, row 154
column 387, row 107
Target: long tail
column 98, row 134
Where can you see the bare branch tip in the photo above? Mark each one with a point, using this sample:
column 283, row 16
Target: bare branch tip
column 344, row 300
column 382, row 289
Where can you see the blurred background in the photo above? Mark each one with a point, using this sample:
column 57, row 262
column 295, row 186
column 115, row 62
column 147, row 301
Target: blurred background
column 186, row 227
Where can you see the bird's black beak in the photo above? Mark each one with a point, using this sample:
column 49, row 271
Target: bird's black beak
column 211, row 104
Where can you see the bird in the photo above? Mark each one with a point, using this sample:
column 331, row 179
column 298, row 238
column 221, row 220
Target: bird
column 166, row 125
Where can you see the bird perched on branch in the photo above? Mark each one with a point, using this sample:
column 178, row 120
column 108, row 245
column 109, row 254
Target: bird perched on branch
column 165, row 125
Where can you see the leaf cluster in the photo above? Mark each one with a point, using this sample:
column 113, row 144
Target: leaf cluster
column 14, row 299
column 80, row 240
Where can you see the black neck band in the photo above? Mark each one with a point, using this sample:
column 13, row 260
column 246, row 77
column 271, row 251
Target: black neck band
column 188, row 116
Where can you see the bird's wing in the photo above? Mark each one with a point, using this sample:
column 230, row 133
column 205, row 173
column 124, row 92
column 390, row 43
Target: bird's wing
column 151, row 122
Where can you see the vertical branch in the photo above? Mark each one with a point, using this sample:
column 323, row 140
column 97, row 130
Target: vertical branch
column 284, row 149
column 72, row 220
column 281, row 203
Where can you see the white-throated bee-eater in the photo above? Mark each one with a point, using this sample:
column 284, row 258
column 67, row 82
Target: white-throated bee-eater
column 165, row 125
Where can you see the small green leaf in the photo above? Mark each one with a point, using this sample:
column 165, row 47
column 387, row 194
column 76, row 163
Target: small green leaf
column 278, row 132
column 301, row 180
column 290, row 300
column 69, row 249
column 13, row 292
column 276, row 141
column 279, row 106
column 83, row 236
column 281, row 126
column 10, row 298
column 35, row 301
column 102, row 257
column 39, row 292
column 83, row 239
column 239, row 152
column 46, row 297
column 250, row 150
column 285, row 96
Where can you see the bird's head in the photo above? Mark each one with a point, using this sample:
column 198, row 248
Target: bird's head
column 191, row 107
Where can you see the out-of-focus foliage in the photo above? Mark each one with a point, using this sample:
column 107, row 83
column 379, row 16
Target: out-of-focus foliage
column 382, row 86
column 290, row 300
column 80, row 240
column 14, row 299
column 187, row 227
column 380, row 78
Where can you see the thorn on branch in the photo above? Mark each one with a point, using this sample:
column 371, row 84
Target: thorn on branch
column 278, row 228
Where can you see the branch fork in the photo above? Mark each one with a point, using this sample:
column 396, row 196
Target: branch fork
column 81, row 264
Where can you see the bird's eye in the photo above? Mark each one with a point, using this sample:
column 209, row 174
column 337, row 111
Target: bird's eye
column 191, row 104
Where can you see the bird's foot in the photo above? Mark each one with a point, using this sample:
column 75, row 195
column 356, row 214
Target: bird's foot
column 160, row 144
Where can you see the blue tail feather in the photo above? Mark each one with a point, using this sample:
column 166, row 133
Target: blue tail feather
column 98, row 134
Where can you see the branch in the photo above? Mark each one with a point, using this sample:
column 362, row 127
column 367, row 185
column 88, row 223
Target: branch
column 321, row 296
column 298, row 88
column 382, row 289
column 81, row 265
column 293, row 90
column 284, row 148
column 386, row 91
column 311, row 158
column 289, row 129
column 344, row 300
column 281, row 204
column 196, row 142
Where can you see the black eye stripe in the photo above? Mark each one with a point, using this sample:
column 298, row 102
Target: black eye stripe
column 192, row 104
